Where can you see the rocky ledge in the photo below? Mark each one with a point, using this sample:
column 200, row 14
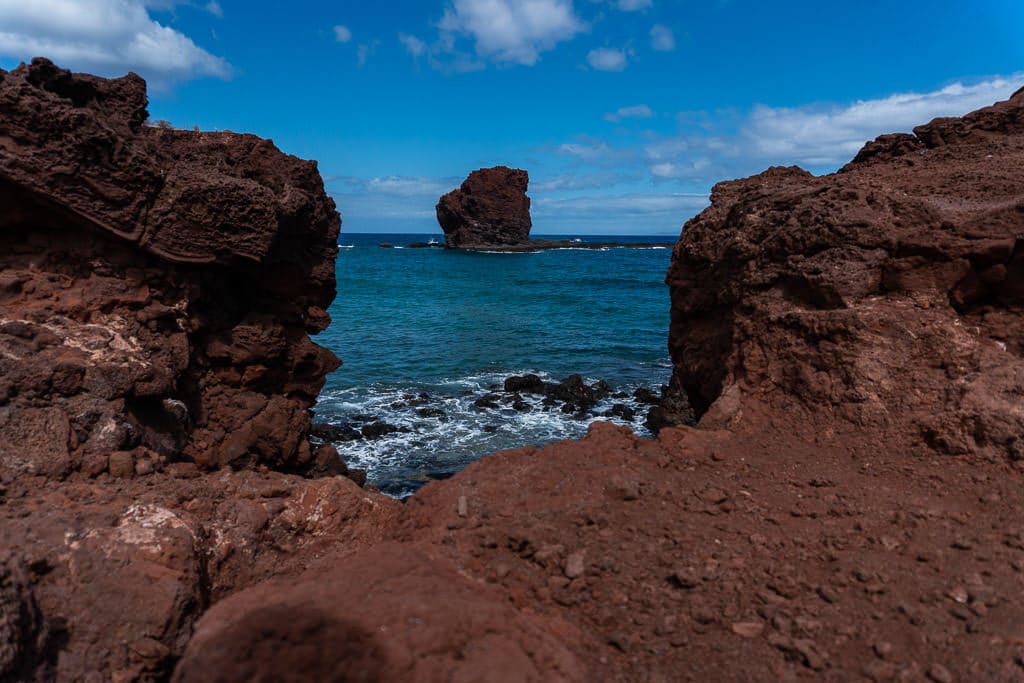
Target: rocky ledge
column 839, row 337
column 158, row 286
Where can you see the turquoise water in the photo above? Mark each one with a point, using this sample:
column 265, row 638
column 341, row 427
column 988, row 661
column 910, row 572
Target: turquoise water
column 452, row 325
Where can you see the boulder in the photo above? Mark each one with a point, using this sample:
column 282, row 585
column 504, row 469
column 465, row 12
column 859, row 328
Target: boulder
column 490, row 208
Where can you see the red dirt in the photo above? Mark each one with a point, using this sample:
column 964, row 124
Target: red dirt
column 846, row 510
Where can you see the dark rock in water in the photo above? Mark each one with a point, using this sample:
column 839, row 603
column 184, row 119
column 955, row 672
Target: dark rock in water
column 490, row 208
column 386, row 245
column 572, row 389
column 521, row 406
column 645, row 395
column 490, row 429
column 673, row 410
column 431, row 412
column 334, row 433
column 623, row 411
column 424, row 245
column 620, row 395
column 526, row 384
column 378, row 429
column 570, row 408
column 600, row 390
column 490, row 402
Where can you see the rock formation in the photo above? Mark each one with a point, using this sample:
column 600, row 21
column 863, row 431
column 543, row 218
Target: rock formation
column 838, row 337
column 490, row 208
column 158, row 286
column 888, row 295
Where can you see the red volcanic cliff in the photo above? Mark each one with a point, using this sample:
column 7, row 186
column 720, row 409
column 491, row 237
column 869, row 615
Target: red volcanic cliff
column 490, row 208
column 158, row 286
column 888, row 295
column 839, row 337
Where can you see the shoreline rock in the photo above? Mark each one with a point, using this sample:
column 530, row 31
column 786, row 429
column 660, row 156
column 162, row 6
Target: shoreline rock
column 835, row 335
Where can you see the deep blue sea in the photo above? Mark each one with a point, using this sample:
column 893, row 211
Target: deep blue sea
column 452, row 325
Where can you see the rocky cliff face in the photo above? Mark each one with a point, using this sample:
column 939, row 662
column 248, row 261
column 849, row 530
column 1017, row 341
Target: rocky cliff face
column 157, row 287
column 887, row 295
column 490, row 208
column 842, row 328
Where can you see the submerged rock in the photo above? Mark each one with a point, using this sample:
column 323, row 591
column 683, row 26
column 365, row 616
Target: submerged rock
column 490, row 208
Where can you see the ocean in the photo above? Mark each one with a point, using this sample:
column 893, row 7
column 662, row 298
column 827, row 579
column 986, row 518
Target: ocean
column 426, row 333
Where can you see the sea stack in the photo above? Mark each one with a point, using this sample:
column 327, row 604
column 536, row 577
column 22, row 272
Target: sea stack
column 489, row 209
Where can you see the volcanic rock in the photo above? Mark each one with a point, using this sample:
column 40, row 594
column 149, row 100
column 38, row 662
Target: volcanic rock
column 490, row 208
column 158, row 286
column 887, row 295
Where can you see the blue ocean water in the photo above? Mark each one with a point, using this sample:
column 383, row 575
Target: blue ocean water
column 452, row 325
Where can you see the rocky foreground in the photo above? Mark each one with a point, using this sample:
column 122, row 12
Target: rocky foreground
column 847, row 508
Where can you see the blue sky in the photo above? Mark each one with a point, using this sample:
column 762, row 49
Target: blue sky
column 625, row 112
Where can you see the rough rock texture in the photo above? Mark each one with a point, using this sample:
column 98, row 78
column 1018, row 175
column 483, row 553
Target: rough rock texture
column 888, row 295
column 157, row 287
column 106, row 577
column 845, row 329
column 490, row 208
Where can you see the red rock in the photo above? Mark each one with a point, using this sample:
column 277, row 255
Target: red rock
column 161, row 284
column 884, row 296
column 490, row 208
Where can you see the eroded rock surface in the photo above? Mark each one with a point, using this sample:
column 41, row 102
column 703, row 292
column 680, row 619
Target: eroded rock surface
column 157, row 287
column 823, row 535
column 490, row 208
column 888, row 295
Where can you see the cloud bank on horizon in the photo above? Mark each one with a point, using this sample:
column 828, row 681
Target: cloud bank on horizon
column 625, row 112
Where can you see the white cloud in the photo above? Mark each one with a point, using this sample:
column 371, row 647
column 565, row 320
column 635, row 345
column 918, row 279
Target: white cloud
column 406, row 186
column 822, row 136
column 413, row 45
column 585, row 151
column 214, row 8
column 633, row 5
column 675, row 205
column 510, row 31
column 342, row 33
column 607, row 59
column 107, row 37
column 639, row 111
column 662, row 38
column 818, row 137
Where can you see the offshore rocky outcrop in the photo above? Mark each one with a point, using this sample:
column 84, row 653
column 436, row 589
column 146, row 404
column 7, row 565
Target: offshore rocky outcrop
column 888, row 295
column 490, row 208
column 158, row 287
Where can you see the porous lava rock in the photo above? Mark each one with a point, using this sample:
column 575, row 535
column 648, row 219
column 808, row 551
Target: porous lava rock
column 489, row 209
column 158, row 287
column 820, row 536
column 888, row 295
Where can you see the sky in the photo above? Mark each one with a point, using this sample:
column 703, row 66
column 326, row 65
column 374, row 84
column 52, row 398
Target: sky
column 625, row 112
